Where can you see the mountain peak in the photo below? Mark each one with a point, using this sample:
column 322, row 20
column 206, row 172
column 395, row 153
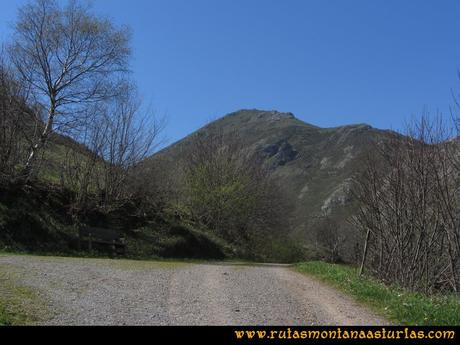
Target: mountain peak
column 260, row 114
column 257, row 118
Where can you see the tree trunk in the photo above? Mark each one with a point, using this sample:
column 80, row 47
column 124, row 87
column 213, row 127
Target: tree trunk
column 39, row 145
column 361, row 268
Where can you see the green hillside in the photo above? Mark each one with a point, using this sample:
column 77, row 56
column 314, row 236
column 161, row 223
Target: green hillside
column 37, row 217
column 313, row 165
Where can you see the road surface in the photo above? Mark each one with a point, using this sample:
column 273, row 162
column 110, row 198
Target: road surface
column 123, row 292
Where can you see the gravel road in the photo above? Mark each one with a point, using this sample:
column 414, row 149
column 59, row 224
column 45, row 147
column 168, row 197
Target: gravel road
column 123, row 292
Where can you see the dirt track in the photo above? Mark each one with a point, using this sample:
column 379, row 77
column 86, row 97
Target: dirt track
column 122, row 292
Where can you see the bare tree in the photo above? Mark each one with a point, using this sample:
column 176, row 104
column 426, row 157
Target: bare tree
column 409, row 209
column 70, row 58
column 102, row 170
column 129, row 134
column 330, row 236
column 81, row 165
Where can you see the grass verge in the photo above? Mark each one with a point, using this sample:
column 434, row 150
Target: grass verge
column 396, row 304
column 19, row 305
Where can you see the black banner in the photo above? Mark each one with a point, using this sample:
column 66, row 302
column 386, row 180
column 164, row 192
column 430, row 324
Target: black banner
column 241, row 335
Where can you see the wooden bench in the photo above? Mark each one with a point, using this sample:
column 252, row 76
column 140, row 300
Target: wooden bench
column 92, row 238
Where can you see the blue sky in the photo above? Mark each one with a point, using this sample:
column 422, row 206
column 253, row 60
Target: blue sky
column 329, row 62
